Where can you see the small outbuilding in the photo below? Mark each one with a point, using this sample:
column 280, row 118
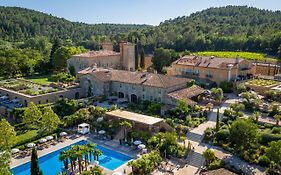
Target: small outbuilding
column 84, row 128
column 140, row 121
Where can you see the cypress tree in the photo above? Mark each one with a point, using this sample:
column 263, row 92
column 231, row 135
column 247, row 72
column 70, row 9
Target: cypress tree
column 136, row 54
column 218, row 120
column 34, row 167
column 142, row 61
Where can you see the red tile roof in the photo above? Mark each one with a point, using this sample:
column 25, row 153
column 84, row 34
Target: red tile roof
column 187, row 93
column 147, row 79
column 212, row 62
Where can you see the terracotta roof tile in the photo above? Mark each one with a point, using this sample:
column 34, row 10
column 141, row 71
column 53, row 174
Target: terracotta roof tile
column 186, row 94
column 100, row 53
column 212, row 62
column 148, row 79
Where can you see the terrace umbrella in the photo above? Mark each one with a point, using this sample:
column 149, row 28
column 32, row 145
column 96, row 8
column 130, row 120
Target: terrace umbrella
column 117, row 173
column 14, row 151
column 137, row 142
column 101, row 132
column 31, row 145
column 42, row 140
column 141, row 146
column 63, row 134
column 49, row 137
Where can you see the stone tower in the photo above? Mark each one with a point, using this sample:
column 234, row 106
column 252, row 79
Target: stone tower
column 127, row 55
column 107, row 46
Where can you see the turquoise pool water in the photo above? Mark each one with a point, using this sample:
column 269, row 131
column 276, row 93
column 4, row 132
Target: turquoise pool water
column 50, row 164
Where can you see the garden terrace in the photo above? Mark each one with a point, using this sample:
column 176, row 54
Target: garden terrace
column 27, row 87
column 261, row 85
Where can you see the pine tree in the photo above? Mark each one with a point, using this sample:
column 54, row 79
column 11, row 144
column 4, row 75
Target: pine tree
column 218, row 120
column 136, row 54
column 142, row 59
column 34, row 167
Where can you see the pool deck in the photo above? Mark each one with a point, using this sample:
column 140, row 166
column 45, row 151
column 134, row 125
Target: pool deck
column 111, row 144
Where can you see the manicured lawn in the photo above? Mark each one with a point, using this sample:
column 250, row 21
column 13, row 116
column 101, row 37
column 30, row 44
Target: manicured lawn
column 246, row 55
column 22, row 138
column 262, row 82
column 44, row 80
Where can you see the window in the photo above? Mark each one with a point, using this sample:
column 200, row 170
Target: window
column 120, row 85
column 143, row 97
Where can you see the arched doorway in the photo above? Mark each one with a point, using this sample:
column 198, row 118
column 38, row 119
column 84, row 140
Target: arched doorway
column 77, row 95
column 134, row 98
column 121, row 95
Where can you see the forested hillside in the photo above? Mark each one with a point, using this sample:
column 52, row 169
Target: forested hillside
column 230, row 28
column 17, row 24
column 33, row 42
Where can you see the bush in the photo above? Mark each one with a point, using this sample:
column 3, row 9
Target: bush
column 276, row 130
column 216, row 164
column 264, row 160
column 146, row 164
column 241, row 88
column 226, row 86
column 266, row 138
column 223, row 135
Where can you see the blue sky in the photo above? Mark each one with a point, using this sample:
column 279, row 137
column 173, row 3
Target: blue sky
column 130, row 11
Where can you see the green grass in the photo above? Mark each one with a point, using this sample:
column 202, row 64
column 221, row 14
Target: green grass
column 25, row 137
column 262, row 82
column 43, row 80
column 246, row 55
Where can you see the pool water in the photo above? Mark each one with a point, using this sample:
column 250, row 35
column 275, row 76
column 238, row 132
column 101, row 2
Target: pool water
column 50, row 164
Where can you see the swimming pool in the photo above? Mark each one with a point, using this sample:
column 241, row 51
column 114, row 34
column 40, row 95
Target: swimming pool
column 50, row 164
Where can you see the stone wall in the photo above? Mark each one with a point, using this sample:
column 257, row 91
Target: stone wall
column 44, row 98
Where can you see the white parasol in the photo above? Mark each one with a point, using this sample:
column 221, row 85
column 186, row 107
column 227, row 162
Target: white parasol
column 42, row 140
column 49, row 137
column 101, row 132
column 15, row 150
column 31, row 145
column 141, row 146
column 63, row 134
column 137, row 142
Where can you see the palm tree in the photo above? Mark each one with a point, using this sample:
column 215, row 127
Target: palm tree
column 91, row 147
column 97, row 153
column 277, row 117
column 126, row 125
column 64, row 158
column 73, row 159
column 209, row 156
column 96, row 170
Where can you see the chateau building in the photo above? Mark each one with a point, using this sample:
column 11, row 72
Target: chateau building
column 134, row 86
column 106, row 58
column 211, row 68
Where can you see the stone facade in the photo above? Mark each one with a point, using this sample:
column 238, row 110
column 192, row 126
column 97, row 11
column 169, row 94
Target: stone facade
column 143, row 86
column 214, row 69
column 73, row 93
column 265, row 69
column 106, row 58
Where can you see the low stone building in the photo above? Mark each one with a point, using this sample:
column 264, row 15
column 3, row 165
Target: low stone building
column 134, row 86
column 106, row 58
column 140, row 121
